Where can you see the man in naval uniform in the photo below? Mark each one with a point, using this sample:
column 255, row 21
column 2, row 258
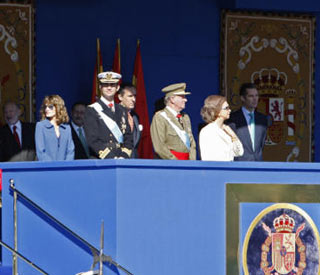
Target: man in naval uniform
column 106, row 124
column 171, row 132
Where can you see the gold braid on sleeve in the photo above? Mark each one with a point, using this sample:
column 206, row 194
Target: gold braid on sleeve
column 126, row 150
column 104, row 153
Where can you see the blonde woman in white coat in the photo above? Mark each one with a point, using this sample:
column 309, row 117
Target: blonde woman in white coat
column 217, row 141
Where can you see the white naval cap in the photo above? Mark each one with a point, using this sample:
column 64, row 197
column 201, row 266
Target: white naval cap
column 109, row 77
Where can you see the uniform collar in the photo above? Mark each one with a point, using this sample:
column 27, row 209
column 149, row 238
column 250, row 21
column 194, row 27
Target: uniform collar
column 105, row 101
column 172, row 111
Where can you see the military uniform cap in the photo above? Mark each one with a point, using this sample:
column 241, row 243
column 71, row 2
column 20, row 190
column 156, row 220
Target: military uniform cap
column 175, row 89
column 109, row 77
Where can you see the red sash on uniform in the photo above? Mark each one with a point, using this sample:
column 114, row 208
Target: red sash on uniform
column 180, row 155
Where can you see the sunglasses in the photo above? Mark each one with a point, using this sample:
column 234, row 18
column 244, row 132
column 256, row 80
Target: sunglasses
column 50, row 107
column 109, row 84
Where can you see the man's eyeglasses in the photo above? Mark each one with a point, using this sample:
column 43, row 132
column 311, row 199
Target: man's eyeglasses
column 50, row 107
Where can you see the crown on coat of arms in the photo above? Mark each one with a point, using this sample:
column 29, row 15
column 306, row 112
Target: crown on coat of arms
column 284, row 223
column 269, row 81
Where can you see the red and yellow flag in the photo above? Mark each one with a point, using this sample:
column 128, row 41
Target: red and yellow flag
column 98, row 68
column 145, row 146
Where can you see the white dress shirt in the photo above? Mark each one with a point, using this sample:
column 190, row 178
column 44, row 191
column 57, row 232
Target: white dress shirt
column 247, row 116
column 251, row 127
column 107, row 102
column 76, row 128
column 18, row 129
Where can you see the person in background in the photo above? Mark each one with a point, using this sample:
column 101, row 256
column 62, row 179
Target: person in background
column 53, row 133
column 171, row 132
column 106, row 123
column 16, row 137
column 249, row 124
column 217, row 141
column 127, row 97
column 78, row 136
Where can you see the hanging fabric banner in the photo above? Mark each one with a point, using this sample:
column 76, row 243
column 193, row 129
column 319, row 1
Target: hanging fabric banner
column 276, row 53
column 16, row 55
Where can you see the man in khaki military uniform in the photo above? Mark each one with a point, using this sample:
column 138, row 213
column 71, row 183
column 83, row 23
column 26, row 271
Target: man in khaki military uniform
column 170, row 129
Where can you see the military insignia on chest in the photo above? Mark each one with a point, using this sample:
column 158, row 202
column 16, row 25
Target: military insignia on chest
column 123, row 124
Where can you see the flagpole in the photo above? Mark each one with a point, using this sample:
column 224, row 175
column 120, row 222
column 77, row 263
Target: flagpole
column 99, row 66
column 119, row 56
column 116, row 66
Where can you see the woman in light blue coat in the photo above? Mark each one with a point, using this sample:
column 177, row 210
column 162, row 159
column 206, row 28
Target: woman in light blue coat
column 53, row 134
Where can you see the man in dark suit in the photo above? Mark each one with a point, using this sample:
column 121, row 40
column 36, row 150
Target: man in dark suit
column 106, row 123
column 127, row 97
column 17, row 141
column 78, row 135
column 249, row 125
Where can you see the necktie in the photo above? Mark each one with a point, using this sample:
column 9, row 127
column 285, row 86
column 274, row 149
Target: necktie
column 110, row 105
column 130, row 120
column 83, row 141
column 252, row 128
column 15, row 134
column 179, row 116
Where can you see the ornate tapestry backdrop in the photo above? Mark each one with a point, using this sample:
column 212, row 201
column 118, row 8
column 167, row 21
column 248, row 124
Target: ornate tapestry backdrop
column 276, row 53
column 16, row 55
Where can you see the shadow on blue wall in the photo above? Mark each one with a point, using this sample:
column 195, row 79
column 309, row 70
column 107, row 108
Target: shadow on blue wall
column 64, row 230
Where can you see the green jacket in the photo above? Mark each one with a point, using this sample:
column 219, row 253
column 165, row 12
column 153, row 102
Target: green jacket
column 165, row 138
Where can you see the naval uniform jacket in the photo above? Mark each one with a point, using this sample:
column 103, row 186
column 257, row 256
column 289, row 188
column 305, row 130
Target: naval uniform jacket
column 100, row 138
column 238, row 124
column 165, row 138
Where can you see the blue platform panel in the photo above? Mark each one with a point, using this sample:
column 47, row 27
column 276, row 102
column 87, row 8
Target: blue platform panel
column 160, row 217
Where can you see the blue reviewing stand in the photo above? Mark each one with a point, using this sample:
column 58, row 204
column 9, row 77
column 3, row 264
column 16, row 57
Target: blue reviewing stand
column 160, row 217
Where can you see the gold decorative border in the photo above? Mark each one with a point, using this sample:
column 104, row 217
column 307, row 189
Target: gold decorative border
column 29, row 115
column 262, row 214
column 263, row 193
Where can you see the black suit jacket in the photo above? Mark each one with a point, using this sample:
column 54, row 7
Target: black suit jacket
column 9, row 148
column 99, row 136
column 239, row 125
column 79, row 151
column 136, row 135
